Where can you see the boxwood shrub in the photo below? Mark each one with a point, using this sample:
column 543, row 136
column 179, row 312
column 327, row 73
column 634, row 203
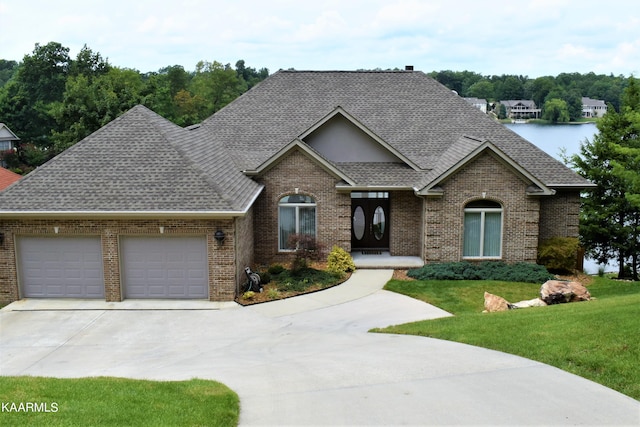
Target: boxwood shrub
column 487, row 270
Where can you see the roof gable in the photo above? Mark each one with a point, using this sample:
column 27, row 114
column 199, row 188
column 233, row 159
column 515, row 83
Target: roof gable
column 341, row 138
column 466, row 152
column 6, row 134
column 316, row 157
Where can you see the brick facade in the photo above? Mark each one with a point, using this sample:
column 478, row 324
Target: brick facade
column 484, row 178
column 430, row 227
column 333, row 210
column 224, row 267
column 405, row 224
column 560, row 215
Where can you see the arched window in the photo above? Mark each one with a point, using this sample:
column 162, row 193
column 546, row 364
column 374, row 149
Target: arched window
column 296, row 215
column 482, row 230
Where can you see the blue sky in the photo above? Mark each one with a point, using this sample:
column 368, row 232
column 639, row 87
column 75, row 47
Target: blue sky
column 535, row 38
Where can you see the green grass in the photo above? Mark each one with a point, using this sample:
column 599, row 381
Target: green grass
column 106, row 401
column 597, row 340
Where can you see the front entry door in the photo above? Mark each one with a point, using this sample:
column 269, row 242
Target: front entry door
column 369, row 223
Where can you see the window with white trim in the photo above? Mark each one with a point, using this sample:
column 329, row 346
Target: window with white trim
column 482, row 230
column 296, row 215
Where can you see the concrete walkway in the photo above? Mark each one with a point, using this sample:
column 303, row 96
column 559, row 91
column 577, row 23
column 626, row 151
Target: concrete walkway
column 309, row 361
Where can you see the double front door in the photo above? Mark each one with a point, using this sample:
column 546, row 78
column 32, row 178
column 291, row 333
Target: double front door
column 370, row 222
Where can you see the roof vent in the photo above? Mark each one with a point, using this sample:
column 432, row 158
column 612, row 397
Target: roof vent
column 408, row 67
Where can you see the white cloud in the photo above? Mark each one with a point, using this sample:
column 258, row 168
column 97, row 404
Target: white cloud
column 533, row 38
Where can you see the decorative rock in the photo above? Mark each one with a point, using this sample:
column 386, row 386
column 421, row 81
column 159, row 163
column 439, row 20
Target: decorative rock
column 494, row 303
column 558, row 291
column 536, row 302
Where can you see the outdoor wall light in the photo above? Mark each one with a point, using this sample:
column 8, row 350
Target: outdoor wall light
column 219, row 236
column 1, row 239
column 161, row 229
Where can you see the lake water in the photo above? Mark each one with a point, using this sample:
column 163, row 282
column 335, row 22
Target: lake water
column 553, row 139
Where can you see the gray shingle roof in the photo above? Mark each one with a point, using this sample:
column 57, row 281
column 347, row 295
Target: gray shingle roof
column 138, row 162
column 415, row 114
column 141, row 162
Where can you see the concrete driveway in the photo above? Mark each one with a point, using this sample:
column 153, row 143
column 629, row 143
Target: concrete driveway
column 306, row 360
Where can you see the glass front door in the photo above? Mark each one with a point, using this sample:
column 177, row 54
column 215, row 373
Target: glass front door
column 370, row 220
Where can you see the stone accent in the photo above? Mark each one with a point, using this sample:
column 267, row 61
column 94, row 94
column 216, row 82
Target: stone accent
column 223, row 268
column 494, row 303
column 558, row 291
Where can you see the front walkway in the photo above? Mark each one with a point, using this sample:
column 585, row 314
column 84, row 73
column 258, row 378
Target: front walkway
column 384, row 260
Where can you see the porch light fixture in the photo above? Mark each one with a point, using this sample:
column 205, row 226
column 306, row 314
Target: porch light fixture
column 56, row 229
column 219, row 236
column 161, row 229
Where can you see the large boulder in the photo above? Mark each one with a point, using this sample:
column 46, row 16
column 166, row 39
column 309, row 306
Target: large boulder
column 494, row 303
column 558, row 291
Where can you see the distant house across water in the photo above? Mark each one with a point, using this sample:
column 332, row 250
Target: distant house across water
column 521, row 109
column 593, row 107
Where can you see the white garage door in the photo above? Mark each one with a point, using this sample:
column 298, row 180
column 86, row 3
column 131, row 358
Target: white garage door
column 60, row 267
column 164, row 267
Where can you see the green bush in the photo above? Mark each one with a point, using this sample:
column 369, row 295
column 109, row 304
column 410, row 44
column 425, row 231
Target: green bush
column 559, row 254
column 488, row 270
column 340, row 261
column 275, row 269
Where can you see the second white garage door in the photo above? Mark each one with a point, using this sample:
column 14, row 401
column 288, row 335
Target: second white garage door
column 164, row 267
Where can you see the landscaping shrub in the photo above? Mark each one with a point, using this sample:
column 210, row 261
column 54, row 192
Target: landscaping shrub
column 340, row 261
column 559, row 254
column 306, row 248
column 488, row 270
column 275, row 269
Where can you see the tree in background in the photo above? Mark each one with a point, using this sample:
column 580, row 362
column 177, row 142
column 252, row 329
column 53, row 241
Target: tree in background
column 610, row 221
column 51, row 101
column 26, row 100
column 555, row 110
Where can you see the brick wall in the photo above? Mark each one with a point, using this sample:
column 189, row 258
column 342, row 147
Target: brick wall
column 560, row 215
column 485, row 177
column 333, row 209
column 222, row 263
column 244, row 245
column 405, row 223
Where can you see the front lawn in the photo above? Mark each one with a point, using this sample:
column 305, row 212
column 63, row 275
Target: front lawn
column 597, row 340
column 105, row 401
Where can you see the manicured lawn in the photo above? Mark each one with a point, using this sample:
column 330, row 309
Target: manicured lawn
column 108, row 401
column 597, row 340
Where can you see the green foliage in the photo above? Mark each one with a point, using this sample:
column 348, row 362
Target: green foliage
column 265, row 277
column 248, row 295
column 302, row 279
column 52, row 101
column 559, row 254
column 556, row 111
column 340, row 261
column 610, row 220
column 488, row 270
column 275, row 269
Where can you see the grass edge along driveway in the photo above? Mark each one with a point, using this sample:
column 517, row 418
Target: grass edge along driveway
column 596, row 340
column 108, row 401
